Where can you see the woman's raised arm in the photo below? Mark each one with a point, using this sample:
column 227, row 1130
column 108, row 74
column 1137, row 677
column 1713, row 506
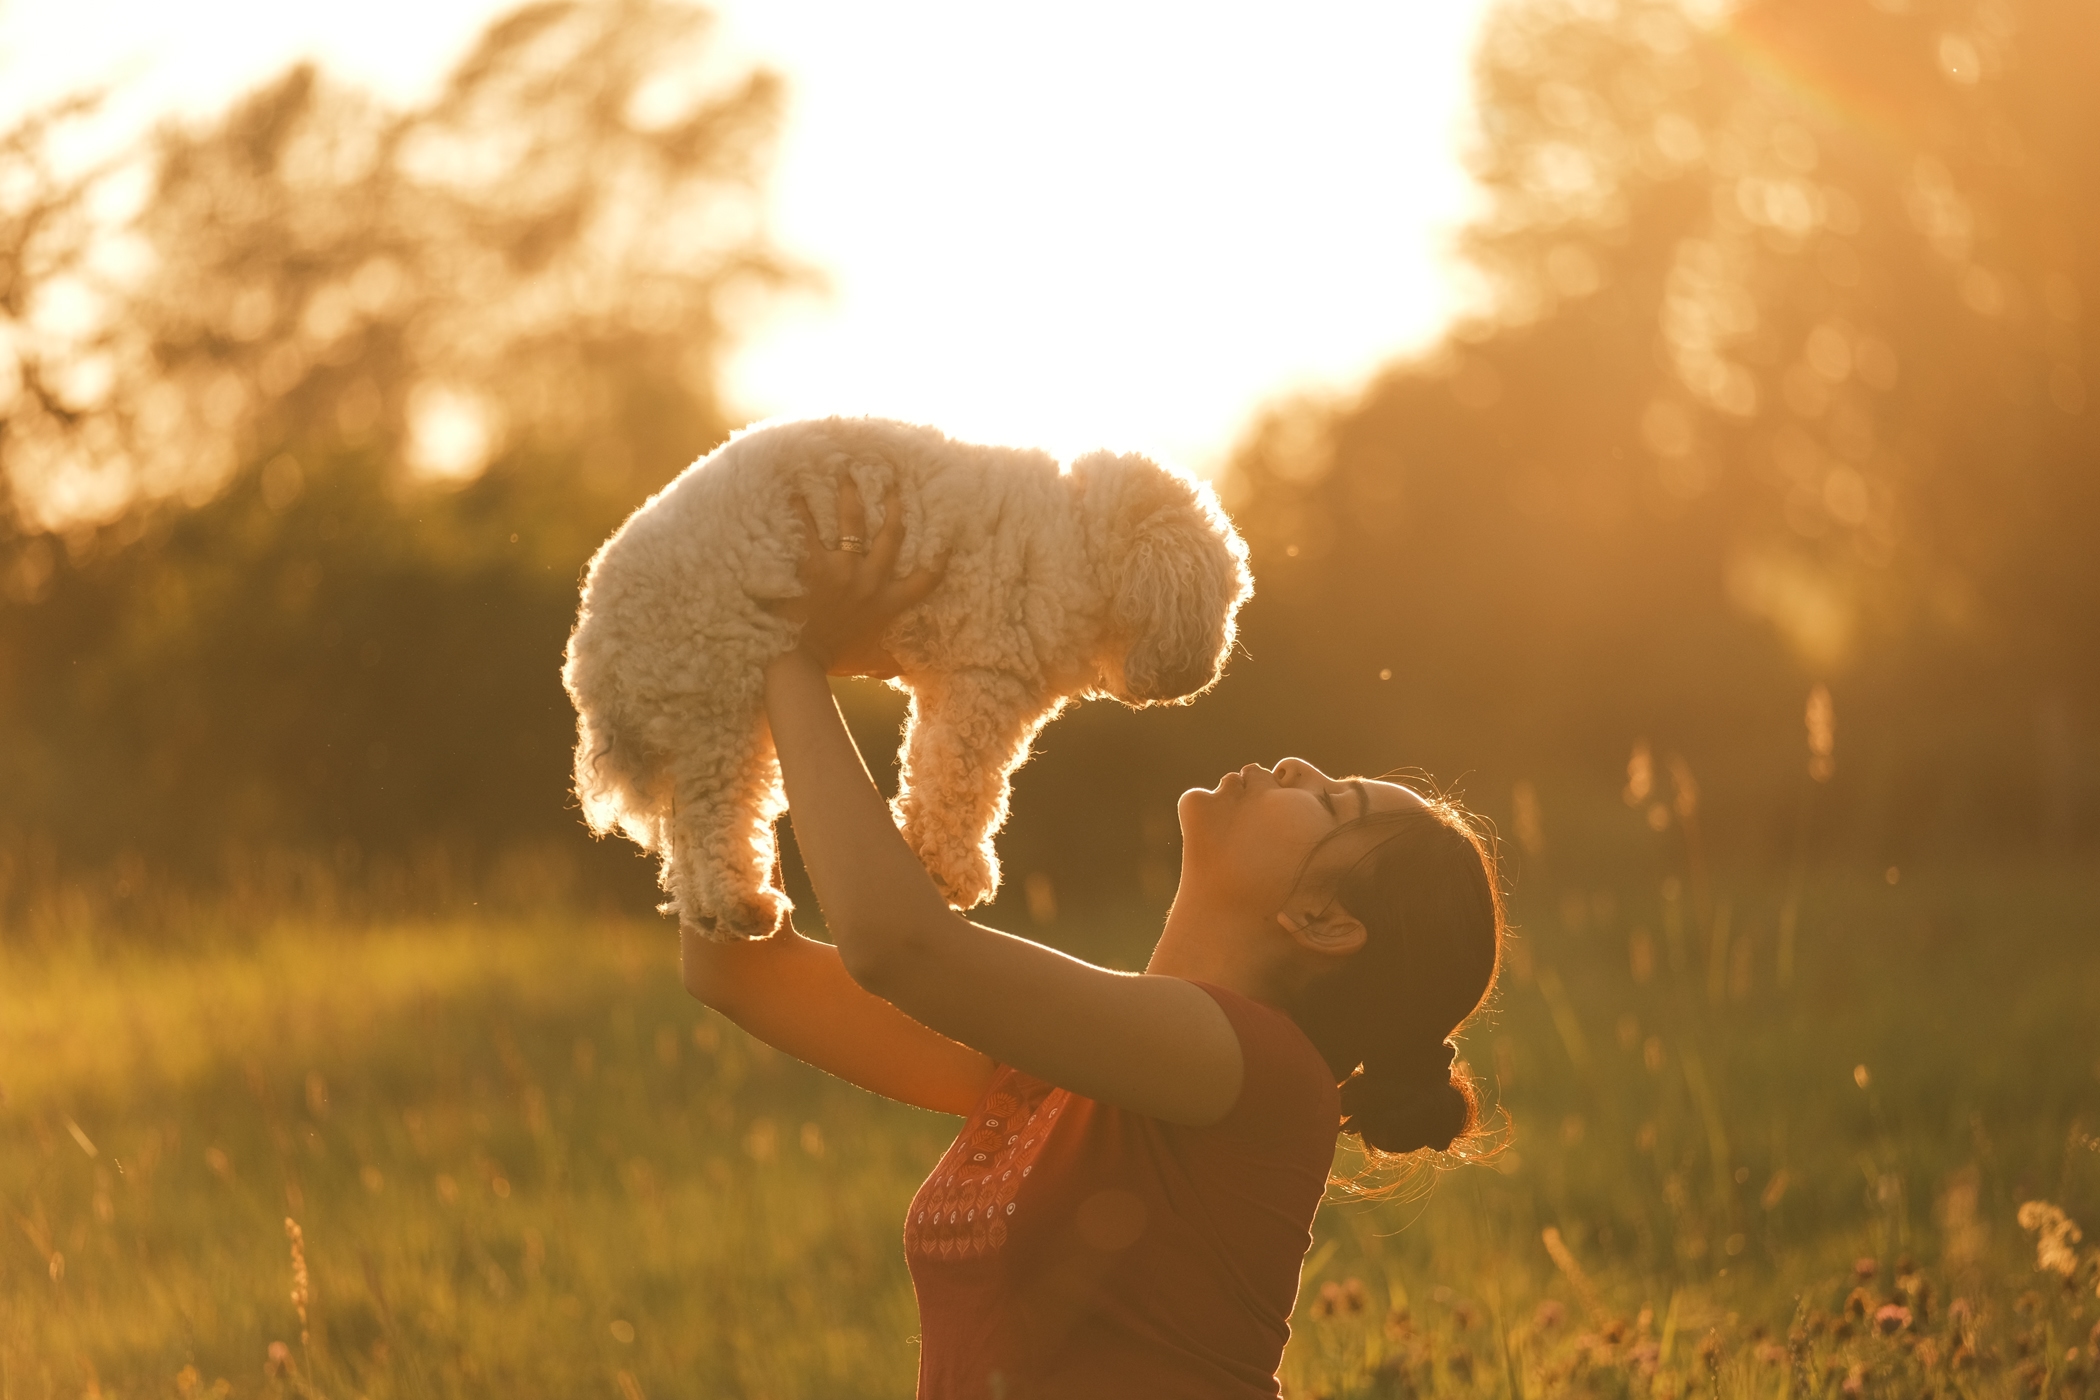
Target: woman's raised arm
column 1158, row 1045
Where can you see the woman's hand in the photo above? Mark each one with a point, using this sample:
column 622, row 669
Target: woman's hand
column 850, row 595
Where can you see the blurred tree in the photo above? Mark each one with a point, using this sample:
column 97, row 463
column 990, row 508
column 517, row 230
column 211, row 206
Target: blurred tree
column 1864, row 229
column 300, row 470
column 1784, row 372
column 45, row 234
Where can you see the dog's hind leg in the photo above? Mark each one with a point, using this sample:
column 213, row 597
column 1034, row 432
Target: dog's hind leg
column 965, row 735
column 722, row 852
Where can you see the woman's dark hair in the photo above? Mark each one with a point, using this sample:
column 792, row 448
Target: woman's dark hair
column 1430, row 902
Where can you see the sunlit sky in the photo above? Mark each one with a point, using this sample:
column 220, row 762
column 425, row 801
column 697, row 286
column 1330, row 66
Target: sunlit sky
column 1129, row 227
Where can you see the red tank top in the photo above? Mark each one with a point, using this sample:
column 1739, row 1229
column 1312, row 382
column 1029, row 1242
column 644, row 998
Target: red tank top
column 1063, row 1247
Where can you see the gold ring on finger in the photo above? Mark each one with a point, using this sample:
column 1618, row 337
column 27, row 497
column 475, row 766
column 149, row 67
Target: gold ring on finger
column 853, row 544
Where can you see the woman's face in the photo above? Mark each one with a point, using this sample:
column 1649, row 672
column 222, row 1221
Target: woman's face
column 1247, row 839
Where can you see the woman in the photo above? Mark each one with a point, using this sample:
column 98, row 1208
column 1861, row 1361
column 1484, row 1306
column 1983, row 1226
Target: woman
column 1128, row 1204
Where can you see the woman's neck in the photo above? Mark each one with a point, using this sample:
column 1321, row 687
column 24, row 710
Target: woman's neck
column 1209, row 941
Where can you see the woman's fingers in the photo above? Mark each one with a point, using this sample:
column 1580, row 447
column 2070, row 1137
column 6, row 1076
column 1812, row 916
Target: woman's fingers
column 892, row 523
column 850, row 594
column 882, row 552
column 812, row 539
column 913, row 588
column 809, row 519
column 853, row 515
column 868, row 573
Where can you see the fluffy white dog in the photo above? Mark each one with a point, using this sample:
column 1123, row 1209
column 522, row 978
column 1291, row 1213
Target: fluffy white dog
column 1114, row 576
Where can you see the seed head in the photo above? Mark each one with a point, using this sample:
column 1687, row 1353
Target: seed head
column 1684, row 789
column 2057, row 1237
column 302, row 1287
column 1822, row 734
column 1640, row 774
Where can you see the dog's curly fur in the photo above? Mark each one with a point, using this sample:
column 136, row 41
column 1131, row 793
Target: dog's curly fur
column 1114, row 576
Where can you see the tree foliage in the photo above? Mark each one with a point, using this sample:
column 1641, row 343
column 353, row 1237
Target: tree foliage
column 299, row 499
column 1786, row 374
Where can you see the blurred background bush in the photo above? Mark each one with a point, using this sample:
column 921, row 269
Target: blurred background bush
column 1785, row 387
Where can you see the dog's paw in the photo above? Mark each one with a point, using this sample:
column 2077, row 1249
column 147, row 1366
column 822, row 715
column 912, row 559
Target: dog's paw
column 965, row 878
column 745, row 922
column 757, row 917
column 704, row 924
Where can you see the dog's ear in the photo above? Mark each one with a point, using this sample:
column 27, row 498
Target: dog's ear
column 1178, row 588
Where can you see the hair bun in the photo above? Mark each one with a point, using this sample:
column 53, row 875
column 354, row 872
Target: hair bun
column 1408, row 1106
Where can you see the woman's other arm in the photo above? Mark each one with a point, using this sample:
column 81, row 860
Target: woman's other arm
column 795, row 995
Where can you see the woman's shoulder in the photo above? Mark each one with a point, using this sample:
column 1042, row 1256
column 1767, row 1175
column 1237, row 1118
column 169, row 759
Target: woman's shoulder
column 1282, row 1075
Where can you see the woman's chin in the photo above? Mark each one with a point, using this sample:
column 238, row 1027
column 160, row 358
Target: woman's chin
column 1202, row 815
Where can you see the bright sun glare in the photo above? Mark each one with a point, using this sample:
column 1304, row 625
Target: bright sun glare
column 1130, row 227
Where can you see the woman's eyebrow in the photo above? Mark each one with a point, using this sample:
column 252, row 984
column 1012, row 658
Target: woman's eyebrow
column 1362, row 796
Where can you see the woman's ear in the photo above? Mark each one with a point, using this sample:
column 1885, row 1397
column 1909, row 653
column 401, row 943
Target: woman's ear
column 1335, row 933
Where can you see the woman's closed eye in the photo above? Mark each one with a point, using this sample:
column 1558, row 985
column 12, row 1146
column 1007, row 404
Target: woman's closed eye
column 1356, row 789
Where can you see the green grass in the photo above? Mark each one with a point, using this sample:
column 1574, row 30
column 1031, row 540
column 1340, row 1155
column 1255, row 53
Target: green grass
column 525, row 1164
column 1718, row 1152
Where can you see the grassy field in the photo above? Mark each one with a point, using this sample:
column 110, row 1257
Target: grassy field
column 523, row 1164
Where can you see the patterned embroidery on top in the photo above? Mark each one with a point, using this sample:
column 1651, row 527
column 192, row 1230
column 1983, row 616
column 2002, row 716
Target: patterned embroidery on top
column 964, row 1208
